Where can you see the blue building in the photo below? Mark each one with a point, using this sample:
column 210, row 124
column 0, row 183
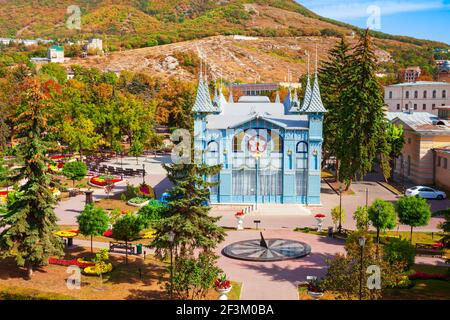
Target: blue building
column 270, row 151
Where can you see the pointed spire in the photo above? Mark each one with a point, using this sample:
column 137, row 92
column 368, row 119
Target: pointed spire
column 308, row 91
column 203, row 101
column 277, row 98
column 315, row 103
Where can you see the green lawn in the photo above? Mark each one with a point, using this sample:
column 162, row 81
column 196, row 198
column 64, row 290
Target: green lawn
column 423, row 289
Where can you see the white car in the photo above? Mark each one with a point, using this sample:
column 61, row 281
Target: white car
column 425, row 192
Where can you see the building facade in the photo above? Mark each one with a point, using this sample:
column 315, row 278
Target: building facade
column 270, row 152
column 56, row 54
column 442, row 165
column 421, row 96
column 424, row 133
column 444, row 71
column 412, row 74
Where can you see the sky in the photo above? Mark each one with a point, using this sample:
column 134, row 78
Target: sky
column 416, row 18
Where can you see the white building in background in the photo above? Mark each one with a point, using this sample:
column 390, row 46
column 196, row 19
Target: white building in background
column 421, row 96
column 56, row 54
column 95, row 44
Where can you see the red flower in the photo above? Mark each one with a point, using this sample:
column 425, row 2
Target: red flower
column 438, row 245
column 319, row 216
column 74, row 262
column 427, row 276
column 108, row 233
column 240, row 214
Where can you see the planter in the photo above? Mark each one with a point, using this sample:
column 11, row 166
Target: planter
column 240, row 222
column 223, row 293
column 139, row 205
column 320, row 223
column 315, row 295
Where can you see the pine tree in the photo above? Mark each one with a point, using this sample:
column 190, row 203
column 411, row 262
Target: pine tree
column 187, row 214
column 332, row 80
column 362, row 132
column 30, row 223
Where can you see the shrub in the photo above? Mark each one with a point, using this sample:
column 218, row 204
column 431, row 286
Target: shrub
column 75, row 171
column 152, row 212
column 138, row 200
column 361, row 216
column 399, row 250
column 131, row 192
column 335, row 215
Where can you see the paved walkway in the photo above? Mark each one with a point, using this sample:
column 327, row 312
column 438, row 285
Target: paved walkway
column 277, row 280
column 289, row 219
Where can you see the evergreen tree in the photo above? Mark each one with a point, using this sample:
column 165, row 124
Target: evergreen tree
column 332, row 80
column 362, row 132
column 187, row 214
column 28, row 228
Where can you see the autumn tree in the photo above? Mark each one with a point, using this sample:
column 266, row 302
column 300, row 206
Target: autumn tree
column 29, row 226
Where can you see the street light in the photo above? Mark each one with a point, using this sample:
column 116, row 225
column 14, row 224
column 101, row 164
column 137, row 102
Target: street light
column 340, row 210
column 362, row 243
column 171, row 240
column 143, row 173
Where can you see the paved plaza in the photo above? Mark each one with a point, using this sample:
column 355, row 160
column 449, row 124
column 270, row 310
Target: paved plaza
column 265, row 280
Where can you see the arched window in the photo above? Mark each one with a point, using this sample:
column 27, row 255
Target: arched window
column 302, row 147
column 212, row 153
column 237, row 141
column 213, row 147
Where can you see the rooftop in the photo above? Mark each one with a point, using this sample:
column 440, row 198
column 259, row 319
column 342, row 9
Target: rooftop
column 420, row 83
column 421, row 122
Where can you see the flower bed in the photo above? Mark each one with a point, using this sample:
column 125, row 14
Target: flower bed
column 4, row 197
column 138, row 201
column 146, row 191
column 92, row 270
column 427, row 276
column 66, row 234
column 101, row 181
column 75, row 262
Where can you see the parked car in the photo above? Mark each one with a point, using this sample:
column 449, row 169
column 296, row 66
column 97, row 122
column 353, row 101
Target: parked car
column 425, row 192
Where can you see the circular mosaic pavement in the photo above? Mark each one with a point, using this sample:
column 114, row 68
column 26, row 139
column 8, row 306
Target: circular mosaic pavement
column 267, row 250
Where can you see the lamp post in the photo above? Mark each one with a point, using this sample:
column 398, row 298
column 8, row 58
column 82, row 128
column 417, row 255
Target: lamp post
column 362, row 243
column 340, row 210
column 367, row 198
column 143, row 173
column 171, row 240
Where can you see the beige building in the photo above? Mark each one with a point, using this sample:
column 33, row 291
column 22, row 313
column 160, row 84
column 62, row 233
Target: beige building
column 442, row 173
column 424, row 133
column 421, row 96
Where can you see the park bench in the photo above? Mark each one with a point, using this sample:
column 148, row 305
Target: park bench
column 426, row 249
column 122, row 246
